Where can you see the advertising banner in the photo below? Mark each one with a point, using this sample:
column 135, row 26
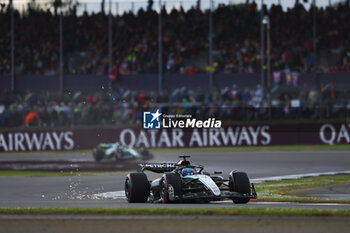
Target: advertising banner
column 225, row 136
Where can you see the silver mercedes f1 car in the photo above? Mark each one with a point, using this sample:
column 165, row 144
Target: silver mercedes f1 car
column 184, row 182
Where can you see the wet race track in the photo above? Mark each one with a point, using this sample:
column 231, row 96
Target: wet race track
column 80, row 190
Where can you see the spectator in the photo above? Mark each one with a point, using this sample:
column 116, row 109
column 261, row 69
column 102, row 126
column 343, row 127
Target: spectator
column 31, row 118
column 236, row 40
column 51, row 109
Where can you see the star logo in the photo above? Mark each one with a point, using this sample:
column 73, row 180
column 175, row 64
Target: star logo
column 152, row 120
column 156, row 115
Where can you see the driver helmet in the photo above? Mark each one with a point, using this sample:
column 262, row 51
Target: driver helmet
column 187, row 171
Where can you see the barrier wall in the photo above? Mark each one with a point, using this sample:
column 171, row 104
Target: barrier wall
column 247, row 135
column 171, row 81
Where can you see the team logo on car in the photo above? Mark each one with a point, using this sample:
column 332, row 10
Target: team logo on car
column 152, row 120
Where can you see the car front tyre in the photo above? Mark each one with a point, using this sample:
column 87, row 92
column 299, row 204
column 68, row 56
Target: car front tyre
column 137, row 188
column 175, row 181
column 239, row 182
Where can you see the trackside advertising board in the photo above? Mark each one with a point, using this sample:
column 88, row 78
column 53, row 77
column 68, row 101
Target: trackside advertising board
column 177, row 137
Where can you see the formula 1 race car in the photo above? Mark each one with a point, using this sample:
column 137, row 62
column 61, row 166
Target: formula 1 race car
column 184, row 182
column 119, row 151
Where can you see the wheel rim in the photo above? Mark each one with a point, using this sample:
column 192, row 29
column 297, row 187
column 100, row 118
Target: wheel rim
column 164, row 195
column 164, row 192
column 127, row 188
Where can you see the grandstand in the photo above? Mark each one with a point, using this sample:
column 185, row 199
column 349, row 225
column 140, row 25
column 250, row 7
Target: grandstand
column 236, row 40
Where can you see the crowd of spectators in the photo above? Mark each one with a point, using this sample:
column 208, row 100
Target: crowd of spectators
column 125, row 107
column 236, row 40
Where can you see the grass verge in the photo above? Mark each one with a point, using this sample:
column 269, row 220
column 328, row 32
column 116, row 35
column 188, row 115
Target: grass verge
column 176, row 211
column 279, row 190
column 48, row 174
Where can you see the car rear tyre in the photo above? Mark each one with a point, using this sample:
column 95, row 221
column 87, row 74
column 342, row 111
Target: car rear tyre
column 137, row 187
column 98, row 154
column 239, row 182
column 175, row 181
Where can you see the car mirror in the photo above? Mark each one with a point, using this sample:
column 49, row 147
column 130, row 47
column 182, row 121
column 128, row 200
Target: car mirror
column 217, row 172
column 206, row 173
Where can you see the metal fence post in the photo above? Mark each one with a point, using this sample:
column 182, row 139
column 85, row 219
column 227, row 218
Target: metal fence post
column 61, row 52
column 110, row 47
column 12, row 49
column 160, row 50
column 268, row 57
column 262, row 50
column 211, row 46
column 314, row 33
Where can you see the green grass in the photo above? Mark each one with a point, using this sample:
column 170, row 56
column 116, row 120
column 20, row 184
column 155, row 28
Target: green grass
column 279, row 190
column 49, row 152
column 255, row 148
column 234, row 211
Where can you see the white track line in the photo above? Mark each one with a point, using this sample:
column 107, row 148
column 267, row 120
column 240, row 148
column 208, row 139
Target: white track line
column 288, row 203
column 121, row 193
column 113, row 195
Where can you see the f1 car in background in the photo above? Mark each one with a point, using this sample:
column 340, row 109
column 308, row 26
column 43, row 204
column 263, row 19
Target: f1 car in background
column 119, row 151
column 184, row 182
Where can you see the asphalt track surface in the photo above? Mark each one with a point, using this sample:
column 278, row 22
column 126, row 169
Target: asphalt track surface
column 78, row 191
column 256, row 163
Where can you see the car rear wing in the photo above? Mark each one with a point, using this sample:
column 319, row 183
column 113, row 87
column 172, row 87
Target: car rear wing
column 157, row 167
